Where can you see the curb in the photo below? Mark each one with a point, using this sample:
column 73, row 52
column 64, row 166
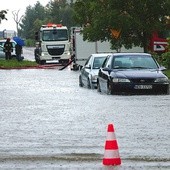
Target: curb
column 48, row 66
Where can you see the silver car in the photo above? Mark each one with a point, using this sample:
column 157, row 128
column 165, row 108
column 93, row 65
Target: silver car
column 2, row 54
column 89, row 72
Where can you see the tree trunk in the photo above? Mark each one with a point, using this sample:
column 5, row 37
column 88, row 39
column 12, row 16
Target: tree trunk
column 145, row 42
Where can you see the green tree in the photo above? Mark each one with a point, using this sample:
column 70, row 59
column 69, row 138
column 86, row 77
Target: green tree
column 56, row 11
column 59, row 11
column 2, row 15
column 136, row 19
column 30, row 19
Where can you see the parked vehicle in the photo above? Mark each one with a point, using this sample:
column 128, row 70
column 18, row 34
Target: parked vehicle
column 133, row 73
column 2, row 54
column 9, row 34
column 89, row 72
column 81, row 49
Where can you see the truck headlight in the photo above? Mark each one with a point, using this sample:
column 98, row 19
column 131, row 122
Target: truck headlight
column 44, row 53
column 67, row 52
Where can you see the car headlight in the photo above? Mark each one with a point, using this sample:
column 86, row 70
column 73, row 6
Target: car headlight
column 94, row 77
column 161, row 80
column 120, row 80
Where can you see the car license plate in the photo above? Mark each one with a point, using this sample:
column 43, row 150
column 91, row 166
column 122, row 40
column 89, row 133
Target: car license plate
column 143, row 87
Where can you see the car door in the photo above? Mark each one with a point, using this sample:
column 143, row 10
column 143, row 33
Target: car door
column 104, row 74
column 86, row 70
column 2, row 54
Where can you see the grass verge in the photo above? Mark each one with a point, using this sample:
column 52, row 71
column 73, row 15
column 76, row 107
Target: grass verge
column 13, row 63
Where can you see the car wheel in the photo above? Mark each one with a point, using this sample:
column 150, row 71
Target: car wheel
column 88, row 84
column 80, row 82
column 109, row 89
column 98, row 87
column 168, row 91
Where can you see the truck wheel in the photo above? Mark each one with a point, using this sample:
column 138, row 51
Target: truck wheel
column 64, row 61
column 75, row 67
column 37, row 61
column 42, row 62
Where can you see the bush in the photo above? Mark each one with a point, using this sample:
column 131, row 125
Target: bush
column 157, row 57
column 166, row 60
column 166, row 56
column 30, row 43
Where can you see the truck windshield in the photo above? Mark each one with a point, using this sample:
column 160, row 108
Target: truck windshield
column 55, row 35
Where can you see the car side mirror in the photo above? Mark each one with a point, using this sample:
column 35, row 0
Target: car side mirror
column 88, row 67
column 106, row 69
column 162, row 68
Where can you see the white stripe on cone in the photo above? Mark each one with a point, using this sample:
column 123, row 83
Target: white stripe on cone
column 111, row 154
column 111, row 136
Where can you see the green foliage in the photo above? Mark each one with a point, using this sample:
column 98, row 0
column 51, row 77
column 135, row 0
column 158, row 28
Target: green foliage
column 2, row 15
column 168, row 46
column 29, row 21
column 167, row 72
column 166, row 60
column 166, row 56
column 56, row 11
column 60, row 12
column 135, row 18
column 30, row 42
column 157, row 57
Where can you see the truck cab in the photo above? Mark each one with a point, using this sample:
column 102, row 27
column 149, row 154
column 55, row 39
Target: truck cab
column 52, row 44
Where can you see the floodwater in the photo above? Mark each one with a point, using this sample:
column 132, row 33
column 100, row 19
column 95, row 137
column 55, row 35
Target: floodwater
column 48, row 122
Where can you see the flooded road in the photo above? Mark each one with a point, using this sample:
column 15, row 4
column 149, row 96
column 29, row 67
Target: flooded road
column 48, row 122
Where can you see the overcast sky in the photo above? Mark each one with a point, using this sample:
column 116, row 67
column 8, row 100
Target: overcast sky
column 15, row 5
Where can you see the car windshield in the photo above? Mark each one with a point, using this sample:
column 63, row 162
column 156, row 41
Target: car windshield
column 134, row 62
column 1, row 48
column 3, row 42
column 98, row 61
column 55, row 35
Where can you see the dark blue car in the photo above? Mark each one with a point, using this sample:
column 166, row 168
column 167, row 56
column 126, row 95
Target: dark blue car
column 132, row 73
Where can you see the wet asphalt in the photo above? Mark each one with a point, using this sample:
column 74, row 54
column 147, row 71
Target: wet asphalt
column 48, row 122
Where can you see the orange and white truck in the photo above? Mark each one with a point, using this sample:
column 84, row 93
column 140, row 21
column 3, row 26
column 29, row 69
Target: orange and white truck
column 52, row 44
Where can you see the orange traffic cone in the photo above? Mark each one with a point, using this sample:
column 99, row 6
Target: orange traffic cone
column 111, row 155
